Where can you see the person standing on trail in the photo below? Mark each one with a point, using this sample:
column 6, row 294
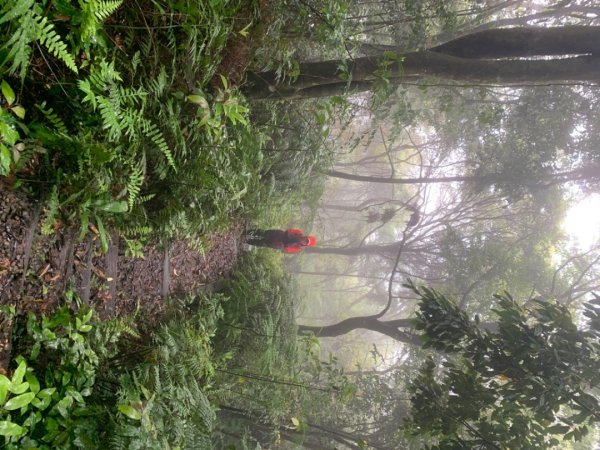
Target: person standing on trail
column 291, row 240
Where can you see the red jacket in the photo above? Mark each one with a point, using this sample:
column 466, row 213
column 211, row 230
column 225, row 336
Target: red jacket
column 294, row 248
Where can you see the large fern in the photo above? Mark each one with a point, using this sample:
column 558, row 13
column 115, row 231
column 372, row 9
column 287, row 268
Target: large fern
column 32, row 26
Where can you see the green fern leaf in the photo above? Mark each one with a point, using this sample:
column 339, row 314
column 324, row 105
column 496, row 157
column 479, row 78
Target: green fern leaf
column 90, row 97
column 52, row 41
column 53, row 118
column 19, row 44
column 103, row 9
column 155, row 135
column 94, row 12
column 14, row 10
column 111, row 118
column 134, row 185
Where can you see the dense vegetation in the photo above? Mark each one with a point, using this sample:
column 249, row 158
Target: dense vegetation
column 159, row 120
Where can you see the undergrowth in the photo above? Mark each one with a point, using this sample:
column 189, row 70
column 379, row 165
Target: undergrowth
column 217, row 370
column 118, row 117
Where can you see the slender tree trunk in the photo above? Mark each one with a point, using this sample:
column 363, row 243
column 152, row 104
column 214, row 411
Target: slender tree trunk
column 336, row 274
column 457, row 63
column 355, row 251
column 583, row 173
column 389, row 328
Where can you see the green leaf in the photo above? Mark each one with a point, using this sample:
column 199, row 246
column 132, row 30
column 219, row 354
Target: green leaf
column 198, row 100
column 76, row 395
column 41, row 403
column 64, row 405
column 34, row 384
column 43, row 399
column 86, row 318
column 4, row 384
column 19, row 401
column 19, row 111
column 130, row 411
column 103, row 235
column 8, row 134
column 115, row 207
column 224, row 81
column 4, row 160
column 19, row 373
column 10, row 429
column 558, row 429
column 18, row 388
column 7, row 92
column 46, row 393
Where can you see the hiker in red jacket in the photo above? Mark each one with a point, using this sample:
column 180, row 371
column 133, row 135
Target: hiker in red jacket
column 291, row 240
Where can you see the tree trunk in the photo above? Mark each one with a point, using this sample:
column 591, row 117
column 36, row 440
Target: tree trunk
column 355, row 251
column 589, row 172
column 389, row 328
column 454, row 61
column 336, row 274
column 420, row 180
column 524, row 42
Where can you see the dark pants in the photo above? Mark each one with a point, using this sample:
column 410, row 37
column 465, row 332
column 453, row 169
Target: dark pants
column 267, row 238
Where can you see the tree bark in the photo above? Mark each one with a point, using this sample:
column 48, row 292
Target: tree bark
column 589, row 172
column 355, row 251
column 525, row 42
column 456, row 61
column 389, row 328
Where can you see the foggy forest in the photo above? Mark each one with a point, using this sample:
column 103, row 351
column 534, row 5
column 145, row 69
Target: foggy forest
column 300, row 224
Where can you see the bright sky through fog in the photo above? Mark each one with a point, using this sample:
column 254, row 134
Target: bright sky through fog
column 582, row 223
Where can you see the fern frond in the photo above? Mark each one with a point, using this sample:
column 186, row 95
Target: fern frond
column 12, row 10
column 48, row 37
column 156, row 136
column 104, row 75
column 20, row 49
column 158, row 85
column 130, row 122
column 144, row 198
column 104, row 8
column 135, row 62
column 132, row 96
column 94, row 12
column 137, row 231
column 53, row 118
column 90, row 97
column 111, row 117
column 134, row 184
column 47, row 225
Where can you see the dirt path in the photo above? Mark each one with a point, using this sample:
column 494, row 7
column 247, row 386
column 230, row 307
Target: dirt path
column 36, row 270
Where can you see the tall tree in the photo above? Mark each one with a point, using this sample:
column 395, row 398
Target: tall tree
column 572, row 55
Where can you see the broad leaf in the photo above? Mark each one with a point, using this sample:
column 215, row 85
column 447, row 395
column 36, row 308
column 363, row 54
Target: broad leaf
column 130, row 411
column 7, row 92
column 10, row 429
column 4, row 384
column 19, row 401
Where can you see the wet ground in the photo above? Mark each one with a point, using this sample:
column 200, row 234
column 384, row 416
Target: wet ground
column 36, row 270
